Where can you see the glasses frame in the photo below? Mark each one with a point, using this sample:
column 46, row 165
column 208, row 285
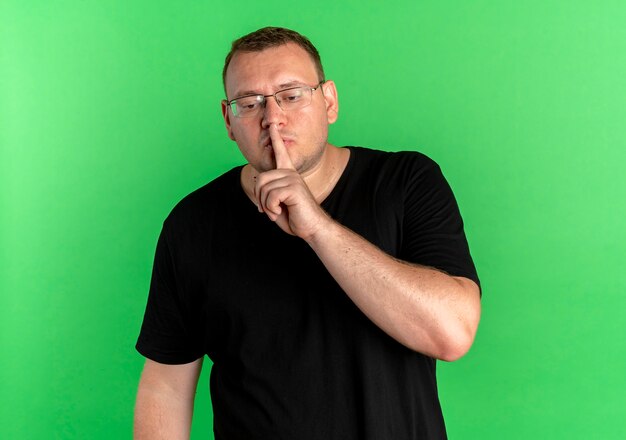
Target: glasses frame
column 229, row 103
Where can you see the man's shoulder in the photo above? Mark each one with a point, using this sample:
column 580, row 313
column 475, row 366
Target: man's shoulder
column 392, row 161
column 202, row 201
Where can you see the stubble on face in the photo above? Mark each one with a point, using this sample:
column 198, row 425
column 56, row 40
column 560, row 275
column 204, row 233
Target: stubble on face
column 304, row 163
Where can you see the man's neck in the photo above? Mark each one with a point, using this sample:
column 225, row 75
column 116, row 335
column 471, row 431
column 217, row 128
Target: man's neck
column 320, row 180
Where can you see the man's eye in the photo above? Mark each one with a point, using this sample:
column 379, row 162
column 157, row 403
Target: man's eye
column 292, row 97
column 247, row 105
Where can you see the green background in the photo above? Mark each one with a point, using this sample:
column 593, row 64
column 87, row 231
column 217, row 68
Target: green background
column 109, row 114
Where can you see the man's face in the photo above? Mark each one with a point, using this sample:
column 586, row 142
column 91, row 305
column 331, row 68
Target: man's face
column 304, row 131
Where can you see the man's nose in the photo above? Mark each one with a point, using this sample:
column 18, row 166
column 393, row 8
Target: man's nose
column 272, row 113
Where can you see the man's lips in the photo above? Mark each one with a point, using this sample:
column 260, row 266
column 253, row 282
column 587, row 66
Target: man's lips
column 268, row 142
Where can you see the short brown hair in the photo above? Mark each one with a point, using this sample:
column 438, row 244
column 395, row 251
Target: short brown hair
column 267, row 37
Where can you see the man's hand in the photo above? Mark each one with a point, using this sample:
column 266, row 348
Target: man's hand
column 284, row 196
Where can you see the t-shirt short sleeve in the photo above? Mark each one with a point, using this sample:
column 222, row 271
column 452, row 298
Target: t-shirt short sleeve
column 169, row 331
column 433, row 233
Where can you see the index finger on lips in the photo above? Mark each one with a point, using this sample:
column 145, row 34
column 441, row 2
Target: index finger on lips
column 283, row 161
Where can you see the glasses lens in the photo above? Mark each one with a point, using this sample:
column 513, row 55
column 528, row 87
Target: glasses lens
column 293, row 99
column 247, row 106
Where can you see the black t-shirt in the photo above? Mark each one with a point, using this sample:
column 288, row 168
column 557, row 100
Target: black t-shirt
column 293, row 357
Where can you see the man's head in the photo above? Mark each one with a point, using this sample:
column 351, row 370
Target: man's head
column 267, row 37
column 252, row 78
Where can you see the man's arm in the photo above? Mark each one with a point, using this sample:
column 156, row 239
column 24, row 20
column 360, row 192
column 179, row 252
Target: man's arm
column 425, row 309
column 165, row 399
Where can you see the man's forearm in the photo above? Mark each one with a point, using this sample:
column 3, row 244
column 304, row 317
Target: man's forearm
column 159, row 415
column 165, row 400
column 424, row 309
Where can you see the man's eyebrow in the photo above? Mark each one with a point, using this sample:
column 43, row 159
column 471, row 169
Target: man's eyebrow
column 290, row 84
column 246, row 93
column 280, row 87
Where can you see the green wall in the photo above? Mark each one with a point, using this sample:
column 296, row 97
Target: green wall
column 109, row 114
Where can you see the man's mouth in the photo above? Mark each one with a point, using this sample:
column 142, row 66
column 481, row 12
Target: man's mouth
column 268, row 142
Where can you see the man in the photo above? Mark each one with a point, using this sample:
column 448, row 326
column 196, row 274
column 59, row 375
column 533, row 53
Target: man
column 322, row 282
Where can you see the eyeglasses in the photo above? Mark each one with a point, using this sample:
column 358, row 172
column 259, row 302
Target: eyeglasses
column 293, row 98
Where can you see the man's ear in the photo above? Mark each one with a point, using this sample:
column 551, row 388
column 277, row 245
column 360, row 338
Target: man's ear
column 226, row 116
column 332, row 100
